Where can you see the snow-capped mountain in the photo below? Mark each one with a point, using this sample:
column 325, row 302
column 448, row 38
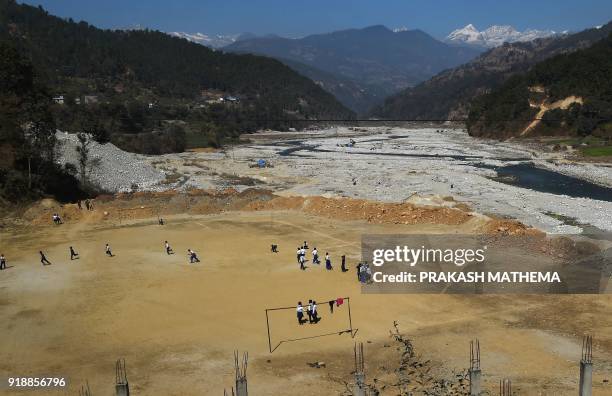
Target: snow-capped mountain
column 494, row 36
column 212, row 41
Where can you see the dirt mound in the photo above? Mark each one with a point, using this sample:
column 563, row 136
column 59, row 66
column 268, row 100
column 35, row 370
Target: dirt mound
column 511, row 227
column 41, row 212
column 139, row 205
column 359, row 209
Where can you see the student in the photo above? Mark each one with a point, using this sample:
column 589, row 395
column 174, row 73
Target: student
column 300, row 313
column 309, row 311
column 274, row 248
column 299, row 254
column 315, row 313
column 168, row 248
column 79, row 204
column 43, row 259
column 302, row 267
column 73, row 254
column 2, row 262
column 161, row 221
column 108, row 251
column 343, row 266
column 193, row 257
column 328, row 265
column 315, row 256
column 303, row 252
column 87, row 204
column 305, row 245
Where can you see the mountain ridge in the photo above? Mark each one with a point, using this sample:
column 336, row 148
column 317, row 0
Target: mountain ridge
column 448, row 94
column 377, row 59
column 494, row 35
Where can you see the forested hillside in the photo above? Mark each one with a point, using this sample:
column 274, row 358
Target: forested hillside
column 448, row 95
column 571, row 93
column 120, row 83
column 27, row 135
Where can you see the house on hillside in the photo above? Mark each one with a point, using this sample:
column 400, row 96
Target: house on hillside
column 59, row 99
column 90, row 99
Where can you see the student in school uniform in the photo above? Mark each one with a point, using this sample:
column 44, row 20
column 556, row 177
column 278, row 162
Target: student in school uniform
column 302, row 267
column 193, row 256
column 328, row 264
column 2, row 262
column 300, row 313
column 309, row 311
column 73, row 254
column 315, row 256
column 108, row 251
column 298, row 254
column 303, row 252
column 168, row 248
column 315, row 313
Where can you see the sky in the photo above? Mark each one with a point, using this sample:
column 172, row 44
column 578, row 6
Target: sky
column 295, row 18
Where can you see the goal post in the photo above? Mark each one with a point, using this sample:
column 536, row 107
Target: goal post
column 347, row 329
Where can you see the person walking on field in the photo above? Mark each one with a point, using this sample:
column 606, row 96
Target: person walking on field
column 315, row 256
column 2, row 262
column 300, row 313
column 109, row 253
column 43, row 259
column 328, row 264
column 309, row 311
column 302, row 267
column 315, row 313
column 193, row 257
column 168, row 248
column 73, row 254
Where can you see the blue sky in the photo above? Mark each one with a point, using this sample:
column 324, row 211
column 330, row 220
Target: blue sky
column 297, row 18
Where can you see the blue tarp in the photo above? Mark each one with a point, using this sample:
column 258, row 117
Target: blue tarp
column 261, row 163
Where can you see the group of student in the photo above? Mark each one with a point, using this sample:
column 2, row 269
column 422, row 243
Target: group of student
column 301, row 257
column 191, row 255
column 311, row 311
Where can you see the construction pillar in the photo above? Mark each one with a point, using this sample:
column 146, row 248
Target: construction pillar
column 122, row 388
column 586, row 367
column 474, row 370
column 360, row 386
column 505, row 387
column 241, row 379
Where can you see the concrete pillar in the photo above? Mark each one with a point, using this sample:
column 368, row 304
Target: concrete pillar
column 586, row 378
column 122, row 389
column 241, row 387
column 475, row 375
column 360, row 388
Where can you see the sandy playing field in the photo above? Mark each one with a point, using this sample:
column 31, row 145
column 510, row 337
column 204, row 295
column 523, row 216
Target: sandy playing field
column 177, row 324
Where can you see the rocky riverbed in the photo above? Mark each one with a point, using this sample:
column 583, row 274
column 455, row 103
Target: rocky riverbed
column 395, row 164
column 387, row 164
